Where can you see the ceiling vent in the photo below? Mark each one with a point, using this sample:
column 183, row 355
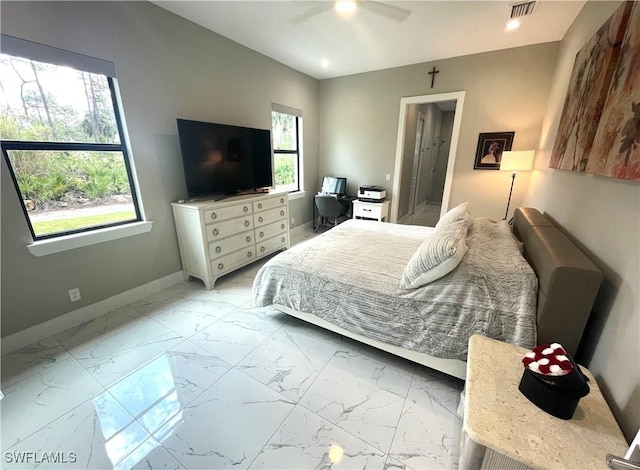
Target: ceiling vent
column 521, row 9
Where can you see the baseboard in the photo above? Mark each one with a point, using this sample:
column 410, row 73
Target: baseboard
column 301, row 228
column 89, row 312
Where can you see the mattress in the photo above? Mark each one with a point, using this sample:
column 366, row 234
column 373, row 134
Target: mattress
column 350, row 276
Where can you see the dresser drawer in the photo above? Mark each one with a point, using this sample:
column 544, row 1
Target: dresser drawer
column 232, row 261
column 229, row 227
column 269, row 203
column 228, row 245
column 271, row 230
column 222, row 213
column 267, row 217
column 279, row 241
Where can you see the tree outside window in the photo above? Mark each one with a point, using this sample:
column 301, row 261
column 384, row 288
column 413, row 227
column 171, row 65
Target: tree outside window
column 62, row 141
column 286, row 150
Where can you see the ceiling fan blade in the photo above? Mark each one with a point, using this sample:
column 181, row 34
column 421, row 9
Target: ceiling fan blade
column 315, row 9
column 393, row 12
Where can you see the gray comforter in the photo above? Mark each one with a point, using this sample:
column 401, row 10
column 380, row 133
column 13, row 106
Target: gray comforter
column 350, row 276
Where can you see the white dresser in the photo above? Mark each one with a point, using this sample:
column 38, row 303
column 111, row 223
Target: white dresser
column 216, row 238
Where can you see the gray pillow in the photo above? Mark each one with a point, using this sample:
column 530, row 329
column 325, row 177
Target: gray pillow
column 437, row 256
column 460, row 212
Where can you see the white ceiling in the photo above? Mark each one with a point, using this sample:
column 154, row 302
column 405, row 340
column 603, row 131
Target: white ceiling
column 367, row 41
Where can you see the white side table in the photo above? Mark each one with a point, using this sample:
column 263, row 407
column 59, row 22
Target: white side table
column 503, row 429
column 371, row 210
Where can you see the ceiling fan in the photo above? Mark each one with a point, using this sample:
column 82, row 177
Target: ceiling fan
column 388, row 10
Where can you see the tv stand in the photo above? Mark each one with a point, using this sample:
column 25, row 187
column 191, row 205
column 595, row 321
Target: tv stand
column 217, row 237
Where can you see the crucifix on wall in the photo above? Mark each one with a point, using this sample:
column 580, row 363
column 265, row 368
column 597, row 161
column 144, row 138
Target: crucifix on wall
column 433, row 75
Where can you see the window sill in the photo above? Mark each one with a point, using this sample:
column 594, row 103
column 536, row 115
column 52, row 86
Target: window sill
column 79, row 240
column 297, row 195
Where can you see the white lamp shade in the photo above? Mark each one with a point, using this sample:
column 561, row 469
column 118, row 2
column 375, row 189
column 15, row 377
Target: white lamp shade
column 520, row 160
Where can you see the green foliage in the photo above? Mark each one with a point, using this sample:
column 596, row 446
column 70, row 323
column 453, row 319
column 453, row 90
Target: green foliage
column 47, row 175
column 285, row 169
column 47, row 227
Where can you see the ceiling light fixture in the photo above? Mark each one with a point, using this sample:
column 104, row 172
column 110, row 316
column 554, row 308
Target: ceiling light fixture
column 513, row 24
column 325, row 63
column 345, row 6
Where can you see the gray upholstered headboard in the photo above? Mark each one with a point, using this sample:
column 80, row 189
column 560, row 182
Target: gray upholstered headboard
column 568, row 280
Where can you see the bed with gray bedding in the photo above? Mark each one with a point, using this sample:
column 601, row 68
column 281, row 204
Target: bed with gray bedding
column 349, row 281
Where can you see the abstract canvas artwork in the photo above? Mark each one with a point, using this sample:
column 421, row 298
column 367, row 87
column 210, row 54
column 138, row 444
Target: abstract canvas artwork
column 593, row 69
column 616, row 146
column 599, row 128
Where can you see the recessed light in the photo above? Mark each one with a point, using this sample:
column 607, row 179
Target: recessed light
column 325, row 63
column 513, row 24
column 345, row 6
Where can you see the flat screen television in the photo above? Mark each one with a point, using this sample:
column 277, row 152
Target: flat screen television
column 221, row 160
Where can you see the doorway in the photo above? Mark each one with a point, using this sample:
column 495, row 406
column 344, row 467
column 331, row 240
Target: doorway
column 427, row 161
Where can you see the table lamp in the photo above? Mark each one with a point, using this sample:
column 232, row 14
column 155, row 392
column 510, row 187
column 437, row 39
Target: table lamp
column 514, row 161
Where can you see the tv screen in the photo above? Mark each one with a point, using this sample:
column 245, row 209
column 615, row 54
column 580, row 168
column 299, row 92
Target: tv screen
column 220, row 159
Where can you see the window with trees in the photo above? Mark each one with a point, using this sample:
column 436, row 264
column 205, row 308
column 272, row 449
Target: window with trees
column 286, row 132
column 63, row 142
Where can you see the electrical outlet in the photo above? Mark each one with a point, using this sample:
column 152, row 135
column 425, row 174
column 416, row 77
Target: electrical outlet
column 387, row 177
column 293, row 221
column 74, row 294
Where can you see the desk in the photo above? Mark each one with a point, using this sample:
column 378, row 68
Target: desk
column 502, row 426
column 371, row 210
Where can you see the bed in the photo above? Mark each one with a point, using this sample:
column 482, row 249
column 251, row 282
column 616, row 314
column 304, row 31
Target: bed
column 524, row 284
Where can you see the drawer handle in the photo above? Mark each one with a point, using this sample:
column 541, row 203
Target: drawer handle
column 281, row 212
column 246, row 223
column 262, row 248
column 245, row 208
column 248, row 239
column 249, row 254
column 283, row 239
column 216, row 231
column 281, row 200
column 366, row 210
column 220, row 265
column 218, row 249
column 214, row 215
column 259, row 205
column 282, row 226
column 261, row 234
column 260, row 219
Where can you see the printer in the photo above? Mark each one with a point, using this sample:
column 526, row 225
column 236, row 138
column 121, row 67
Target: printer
column 372, row 193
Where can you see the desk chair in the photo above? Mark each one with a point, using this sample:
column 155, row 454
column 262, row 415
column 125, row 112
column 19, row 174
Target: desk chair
column 330, row 210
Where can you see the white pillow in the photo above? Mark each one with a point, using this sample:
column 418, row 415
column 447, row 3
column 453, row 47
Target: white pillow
column 437, row 256
column 460, row 212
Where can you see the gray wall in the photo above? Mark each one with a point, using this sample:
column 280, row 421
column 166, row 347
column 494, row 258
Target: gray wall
column 604, row 215
column 505, row 91
column 167, row 68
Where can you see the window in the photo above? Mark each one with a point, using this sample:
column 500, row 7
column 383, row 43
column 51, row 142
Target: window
column 287, row 132
column 63, row 140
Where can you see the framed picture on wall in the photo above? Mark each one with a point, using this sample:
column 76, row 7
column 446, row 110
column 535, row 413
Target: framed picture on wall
column 490, row 148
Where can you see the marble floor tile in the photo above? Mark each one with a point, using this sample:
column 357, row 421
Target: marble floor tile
column 31, row 360
column 97, row 434
column 40, row 398
column 100, row 328
column 235, row 335
column 192, row 315
column 305, row 440
column 150, row 455
column 291, row 359
column 361, row 395
column 115, row 357
column 167, row 298
column 428, row 431
column 162, row 388
column 227, row 425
